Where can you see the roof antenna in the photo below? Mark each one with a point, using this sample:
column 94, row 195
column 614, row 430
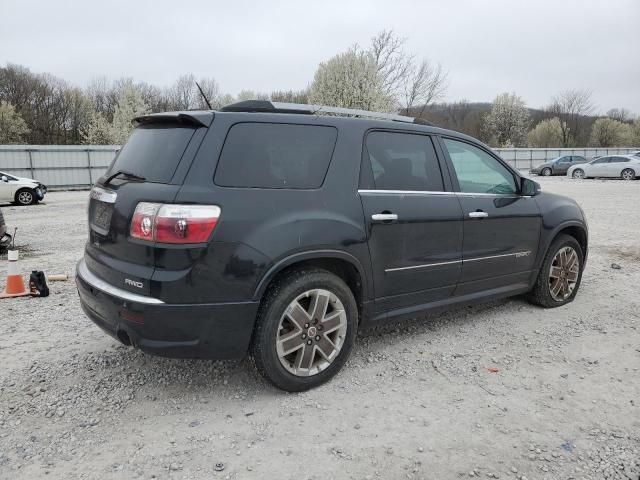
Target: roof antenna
column 204, row 96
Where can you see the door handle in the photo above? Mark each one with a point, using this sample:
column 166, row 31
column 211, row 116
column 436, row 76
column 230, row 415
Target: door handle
column 384, row 217
column 478, row 214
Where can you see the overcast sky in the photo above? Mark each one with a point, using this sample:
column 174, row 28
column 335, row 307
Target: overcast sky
column 536, row 48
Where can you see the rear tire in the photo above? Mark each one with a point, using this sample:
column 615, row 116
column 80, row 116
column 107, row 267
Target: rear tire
column 560, row 275
column 578, row 173
column 546, row 172
column 25, row 197
column 628, row 174
column 289, row 346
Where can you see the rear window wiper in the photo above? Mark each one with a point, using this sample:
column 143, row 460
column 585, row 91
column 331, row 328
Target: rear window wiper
column 124, row 173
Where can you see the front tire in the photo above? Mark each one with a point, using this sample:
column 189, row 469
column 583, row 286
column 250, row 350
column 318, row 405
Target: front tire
column 25, row 197
column 578, row 173
column 560, row 275
column 305, row 330
column 546, row 172
column 628, row 174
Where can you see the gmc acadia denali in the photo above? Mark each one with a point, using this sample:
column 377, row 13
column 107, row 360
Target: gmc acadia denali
column 279, row 229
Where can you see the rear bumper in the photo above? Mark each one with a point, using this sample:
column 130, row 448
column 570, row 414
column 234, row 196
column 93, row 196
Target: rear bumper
column 215, row 331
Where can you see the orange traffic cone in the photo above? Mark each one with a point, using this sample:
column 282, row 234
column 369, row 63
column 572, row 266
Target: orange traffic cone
column 15, row 285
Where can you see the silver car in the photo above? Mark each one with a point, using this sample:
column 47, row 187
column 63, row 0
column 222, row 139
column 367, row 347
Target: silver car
column 626, row 167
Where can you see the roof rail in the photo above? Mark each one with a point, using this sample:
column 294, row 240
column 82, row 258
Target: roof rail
column 266, row 106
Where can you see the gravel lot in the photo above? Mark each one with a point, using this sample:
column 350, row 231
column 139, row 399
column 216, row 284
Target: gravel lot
column 416, row 400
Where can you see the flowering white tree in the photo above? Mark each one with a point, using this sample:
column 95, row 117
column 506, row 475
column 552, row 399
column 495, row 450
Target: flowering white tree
column 13, row 128
column 607, row 132
column 508, row 121
column 546, row 134
column 97, row 131
column 129, row 105
column 350, row 80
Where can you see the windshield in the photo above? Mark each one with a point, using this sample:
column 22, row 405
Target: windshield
column 153, row 152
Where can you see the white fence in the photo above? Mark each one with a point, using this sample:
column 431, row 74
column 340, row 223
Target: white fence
column 71, row 166
column 58, row 166
column 525, row 158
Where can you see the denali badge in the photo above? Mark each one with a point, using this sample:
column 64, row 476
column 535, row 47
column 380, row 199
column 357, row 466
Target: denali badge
column 523, row 254
column 133, row 283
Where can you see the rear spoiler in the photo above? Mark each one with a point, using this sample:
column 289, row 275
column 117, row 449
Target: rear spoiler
column 194, row 119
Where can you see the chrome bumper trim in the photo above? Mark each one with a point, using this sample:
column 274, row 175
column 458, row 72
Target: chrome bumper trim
column 99, row 284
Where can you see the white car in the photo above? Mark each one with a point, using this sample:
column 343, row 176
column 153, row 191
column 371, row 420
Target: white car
column 19, row 190
column 626, row 167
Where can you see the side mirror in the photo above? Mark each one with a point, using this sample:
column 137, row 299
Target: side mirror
column 4, row 178
column 528, row 187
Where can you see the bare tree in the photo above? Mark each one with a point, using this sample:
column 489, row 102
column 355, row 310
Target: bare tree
column 393, row 65
column 569, row 106
column 424, row 85
column 620, row 114
column 401, row 78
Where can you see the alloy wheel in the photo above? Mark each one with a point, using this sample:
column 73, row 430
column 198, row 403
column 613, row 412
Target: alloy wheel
column 578, row 173
column 563, row 273
column 311, row 332
column 25, row 198
column 546, row 172
column 628, row 174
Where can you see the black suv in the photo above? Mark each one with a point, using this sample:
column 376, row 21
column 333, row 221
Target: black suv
column 271, row 229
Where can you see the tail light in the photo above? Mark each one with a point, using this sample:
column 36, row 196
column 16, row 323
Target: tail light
column 177, row 224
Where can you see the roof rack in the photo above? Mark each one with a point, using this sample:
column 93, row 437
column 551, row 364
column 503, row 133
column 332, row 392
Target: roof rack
column 265, row 106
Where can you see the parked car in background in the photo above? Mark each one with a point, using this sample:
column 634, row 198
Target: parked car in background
column 20, row 190
column 636, row 153
column 626, row 167
column 280, row 232
column 558, row 166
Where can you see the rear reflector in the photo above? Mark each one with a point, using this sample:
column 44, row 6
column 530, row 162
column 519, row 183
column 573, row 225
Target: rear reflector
column 173, row 224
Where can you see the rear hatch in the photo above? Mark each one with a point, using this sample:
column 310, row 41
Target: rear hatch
column 150, row 168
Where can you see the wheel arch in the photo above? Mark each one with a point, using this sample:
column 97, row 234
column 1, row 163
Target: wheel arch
column 22, row 189
column 342, row 264
column 573, row 229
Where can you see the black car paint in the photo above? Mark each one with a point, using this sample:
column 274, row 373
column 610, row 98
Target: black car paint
column 212, row 291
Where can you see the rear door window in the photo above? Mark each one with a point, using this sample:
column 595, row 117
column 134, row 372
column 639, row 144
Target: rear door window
column 275, row 155
column 153, row 152
column 402, row 161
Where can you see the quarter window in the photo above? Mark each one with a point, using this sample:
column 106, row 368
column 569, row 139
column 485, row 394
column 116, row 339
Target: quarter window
column 275, row 155
column 403, row 161
column 477, row 171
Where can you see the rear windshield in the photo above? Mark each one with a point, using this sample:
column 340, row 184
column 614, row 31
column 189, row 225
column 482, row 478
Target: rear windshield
column 153, row 152
column 270, row 155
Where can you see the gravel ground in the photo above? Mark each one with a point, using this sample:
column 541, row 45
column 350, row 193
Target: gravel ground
column 416, row 400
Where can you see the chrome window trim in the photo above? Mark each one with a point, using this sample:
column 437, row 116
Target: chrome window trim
column 99, row 284
column 427, row 265
column 432, row 192
column 404, row 192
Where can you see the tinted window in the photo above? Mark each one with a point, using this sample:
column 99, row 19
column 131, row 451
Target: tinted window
column 153, row 152
column 402, row 161
column 477, row 171
column 271, row 155
column 565, row 160
column 9, row 177
column 601, row 160
column 578, row 159
column 618, row 160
